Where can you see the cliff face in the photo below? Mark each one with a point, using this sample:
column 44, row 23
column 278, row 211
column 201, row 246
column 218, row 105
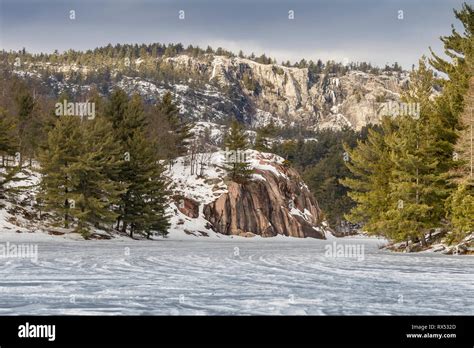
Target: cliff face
column 264, row 92
column 215, row 88
column 271, row 205
column 275, row 201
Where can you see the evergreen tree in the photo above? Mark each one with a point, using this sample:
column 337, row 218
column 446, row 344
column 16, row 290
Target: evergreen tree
column 458, row 47
column 415, row 156
column 419, row 182
column 116, row 108
column 464, row 146
column 142, row 204
column 8, row 170
column 236, row 163
column 456, row 103
column 179, row 130
column 261, row 142
column 62, row 150
column 27, row 122
column 75, row 166
column 370, row 164
column 460, row 207
column 261, row 139
column 324, row 175
column 95, row 190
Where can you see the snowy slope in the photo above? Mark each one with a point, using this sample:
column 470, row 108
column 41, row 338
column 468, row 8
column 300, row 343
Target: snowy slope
column 205, row 190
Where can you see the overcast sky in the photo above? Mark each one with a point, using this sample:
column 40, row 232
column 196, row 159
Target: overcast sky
column 357, row 30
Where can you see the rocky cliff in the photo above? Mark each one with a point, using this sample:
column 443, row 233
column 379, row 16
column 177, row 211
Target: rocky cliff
column 290, row 95
column 274, row 202
column 271, row 205
column 215, row 88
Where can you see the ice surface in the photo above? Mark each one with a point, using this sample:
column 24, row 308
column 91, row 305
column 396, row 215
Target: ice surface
column 230, row 277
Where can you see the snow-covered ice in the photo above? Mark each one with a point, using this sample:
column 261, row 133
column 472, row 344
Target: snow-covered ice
column 230, row 277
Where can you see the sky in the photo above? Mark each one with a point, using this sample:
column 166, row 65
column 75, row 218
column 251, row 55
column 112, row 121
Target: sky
column 342, row 30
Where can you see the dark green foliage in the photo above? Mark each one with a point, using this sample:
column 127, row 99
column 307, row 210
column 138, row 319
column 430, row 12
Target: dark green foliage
column 405, row 177
column 236, row 144
column 250, row 83
column 105, row 171
column 179, row 130
column 76, row 186
column 321, row 161
column 141, row 208
column 8, row 168
column 263, row 137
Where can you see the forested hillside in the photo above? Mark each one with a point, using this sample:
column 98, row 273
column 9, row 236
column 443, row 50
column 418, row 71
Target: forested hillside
column 383, row 150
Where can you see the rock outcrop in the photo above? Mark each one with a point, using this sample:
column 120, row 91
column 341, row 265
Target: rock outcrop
column 271, row 205
column 216, row 88
column 188, row 207
column 275, row 201
column 289, row 95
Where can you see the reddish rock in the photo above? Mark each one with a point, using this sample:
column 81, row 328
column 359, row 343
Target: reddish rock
column 262, row 207
column 188, row 207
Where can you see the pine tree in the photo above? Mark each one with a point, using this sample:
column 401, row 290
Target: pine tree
column 419, row 153
column 370, row 164
column 8, row 171
column 75, row 165
column 456, row 104
column 62, row 150
column 179, row 130
column 96, row 191
column 236, row 163
column 464, row 146
column 419, row 184
column 262, row 142
column 142, row 204
column 460, row 207
column 116, row 108
column 27, row 123
column 458, row 47
column 144, row 201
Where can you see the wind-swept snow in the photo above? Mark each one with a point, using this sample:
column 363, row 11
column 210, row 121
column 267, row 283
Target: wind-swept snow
column 237, row 277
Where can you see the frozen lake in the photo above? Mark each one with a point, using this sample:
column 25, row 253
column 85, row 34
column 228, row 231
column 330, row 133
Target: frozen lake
column 230, row 277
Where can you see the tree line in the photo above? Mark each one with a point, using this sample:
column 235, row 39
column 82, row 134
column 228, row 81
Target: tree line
column 413, row 175
column 104, row 172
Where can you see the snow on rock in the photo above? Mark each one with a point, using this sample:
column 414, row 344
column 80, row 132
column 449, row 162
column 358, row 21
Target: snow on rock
column 274, row 202
column 215, row 132
column 279, row 94
column 195, row 198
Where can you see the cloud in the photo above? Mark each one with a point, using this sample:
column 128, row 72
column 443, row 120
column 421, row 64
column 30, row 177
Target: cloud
column 363, row 30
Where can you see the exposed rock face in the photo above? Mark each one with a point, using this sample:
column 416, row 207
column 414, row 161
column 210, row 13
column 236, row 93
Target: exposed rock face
column 252, row 92
column 288, row 95
column 189, row 207
column 276, row 203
